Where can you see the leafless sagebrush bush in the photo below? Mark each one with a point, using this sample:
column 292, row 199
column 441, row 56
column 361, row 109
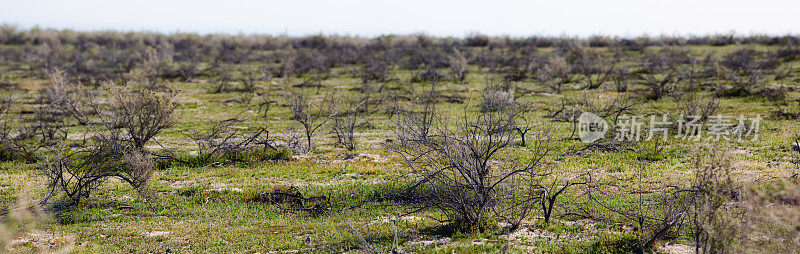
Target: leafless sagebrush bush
column 462, row 170
column 150, row 69
column 249, row 77
column 75, row 174
column 497, row 97
column 222, row 80
column 659, row 84
column 459, row 67
column 621, row 79
column 595, row 69
column 226, row 143
column 311, row 61
column 712, row 188
column 745, row 71
column 57, row 90
column 744, row 83
column 142, row 113
column 10, row 147
column 692, row 104
column 311, row 116
column 116, row 146
column 555, row 73
column 767, row 221
column 374, row 70
column 475, row 39
column 429, row 75
column 345, row 121
column 48, row 121
column 608, row 108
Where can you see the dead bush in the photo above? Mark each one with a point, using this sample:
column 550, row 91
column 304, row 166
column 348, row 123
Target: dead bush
column 222, row 80
column 75, row 174
column 692, row 104
column 746, row 83
column 658, row 84
column 711, row 189
column 249, row 77
column 142, row 113
column 151, row 68
column 461, row 170
column 621, row 79
column 654, row 214
column 226, row 143
column 459, row 67
column 497, row 97
column 310, row 116
column 429, row 75
column 345, row 122
column 596, row 69
column 10, row 140
column 555, row 73
column 292, row 200
column 374, row 70
column 475, row 39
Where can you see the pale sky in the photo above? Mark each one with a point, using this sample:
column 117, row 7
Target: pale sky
column 625, row 18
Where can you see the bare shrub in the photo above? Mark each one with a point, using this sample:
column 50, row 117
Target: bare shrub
column 152, row 67
column 595, row 69
column 459, row 67
column 555, row 73
column 417, row 124
column 10, row 148
column 462, row 169
column 787, row 53
column 222, row 80
column 309, row 61
column 610, row 109
column 142, row 113
column 129, row 120
column 552, row 189
column 740, row 61
column 712, row 188
column 310, row 116
column 767, row 212
column 746, row 83
column 57, row 90
column 226, row 143
column 429, row 75
column 345, row 122
column 621, row 79
column 659, row 84
column 249, row 77
column 497, row 97
column 475, row 39
column 692, row 104
column 77, row 173
column 376, row 70
column 745, row 71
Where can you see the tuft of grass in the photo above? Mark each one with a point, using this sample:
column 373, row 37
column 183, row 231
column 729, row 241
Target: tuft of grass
column 247, row 157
